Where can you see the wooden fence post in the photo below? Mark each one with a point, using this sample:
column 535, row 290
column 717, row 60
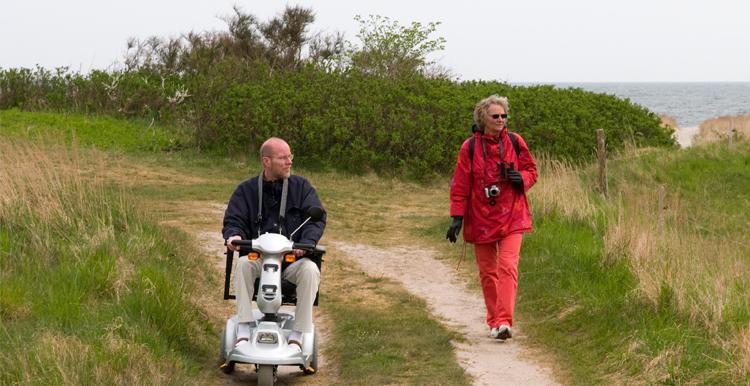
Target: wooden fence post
column 662, row 193
column 601, row 154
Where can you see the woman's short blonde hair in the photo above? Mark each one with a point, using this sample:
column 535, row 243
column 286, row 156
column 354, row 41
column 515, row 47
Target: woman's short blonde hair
column 480, row 110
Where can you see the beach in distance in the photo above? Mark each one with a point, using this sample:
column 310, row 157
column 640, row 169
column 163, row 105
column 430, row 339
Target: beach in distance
column 689, row 104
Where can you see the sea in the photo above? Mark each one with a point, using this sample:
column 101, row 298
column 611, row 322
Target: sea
column 689, row 103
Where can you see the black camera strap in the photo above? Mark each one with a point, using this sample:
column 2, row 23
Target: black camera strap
column 513, row 140
column 484, row 155
column 282, row 204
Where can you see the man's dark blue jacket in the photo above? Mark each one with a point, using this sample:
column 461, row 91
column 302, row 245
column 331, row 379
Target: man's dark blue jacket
column 242, row 211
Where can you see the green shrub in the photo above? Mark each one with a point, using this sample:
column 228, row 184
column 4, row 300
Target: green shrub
column 413, row 125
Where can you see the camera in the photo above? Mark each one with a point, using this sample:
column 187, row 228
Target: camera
column 491, row 191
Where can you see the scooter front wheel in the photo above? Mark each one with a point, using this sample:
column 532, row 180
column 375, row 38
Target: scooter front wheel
column 266, row 375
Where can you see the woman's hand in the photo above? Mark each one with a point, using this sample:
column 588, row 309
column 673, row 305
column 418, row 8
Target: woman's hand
column 454, row 228
column 515, row 178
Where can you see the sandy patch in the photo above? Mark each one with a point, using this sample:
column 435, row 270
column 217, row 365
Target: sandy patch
column 684, row 135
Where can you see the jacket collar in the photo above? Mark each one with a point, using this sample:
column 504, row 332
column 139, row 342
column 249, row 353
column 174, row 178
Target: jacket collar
column 495, row 138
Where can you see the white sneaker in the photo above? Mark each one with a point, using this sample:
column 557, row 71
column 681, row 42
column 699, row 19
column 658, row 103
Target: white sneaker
column 494, row 332
column 295, row 340
column 243, row 334
column 504, row 332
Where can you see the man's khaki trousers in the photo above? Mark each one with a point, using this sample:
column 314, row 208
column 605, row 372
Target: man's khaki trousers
column 303, row 273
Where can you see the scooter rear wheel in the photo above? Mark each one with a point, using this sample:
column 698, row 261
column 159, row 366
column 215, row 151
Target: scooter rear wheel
column 314, row 360
column 226, row 368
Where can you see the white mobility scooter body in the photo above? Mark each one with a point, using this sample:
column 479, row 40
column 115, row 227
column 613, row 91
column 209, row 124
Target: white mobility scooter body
column 268, row 345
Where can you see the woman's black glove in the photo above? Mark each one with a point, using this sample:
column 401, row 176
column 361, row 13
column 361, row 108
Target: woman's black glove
column 454, row 228
column 515, row 178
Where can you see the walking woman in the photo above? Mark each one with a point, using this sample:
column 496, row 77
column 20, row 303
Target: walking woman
column 493, row 172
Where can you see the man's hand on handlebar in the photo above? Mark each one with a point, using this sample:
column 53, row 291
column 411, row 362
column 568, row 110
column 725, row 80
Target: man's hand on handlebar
column 299, row 252
column 231, row 246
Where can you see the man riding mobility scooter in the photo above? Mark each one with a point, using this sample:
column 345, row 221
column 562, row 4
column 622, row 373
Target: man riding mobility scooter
column 268, row 344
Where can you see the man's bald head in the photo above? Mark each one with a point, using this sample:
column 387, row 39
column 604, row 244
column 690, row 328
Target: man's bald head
column 276, row 157
column 271, row 146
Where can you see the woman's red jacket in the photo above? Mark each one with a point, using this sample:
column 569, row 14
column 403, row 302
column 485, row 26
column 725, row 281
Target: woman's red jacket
column 485, row 223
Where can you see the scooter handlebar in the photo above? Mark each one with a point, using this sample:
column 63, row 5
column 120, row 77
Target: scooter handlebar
column 304, row 246
column 243, row 243
column 248, row 245
column 311, row 247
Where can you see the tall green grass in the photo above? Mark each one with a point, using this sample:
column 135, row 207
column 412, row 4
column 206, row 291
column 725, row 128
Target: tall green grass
column 658, row 294
column 693, row 245
column 91, row 291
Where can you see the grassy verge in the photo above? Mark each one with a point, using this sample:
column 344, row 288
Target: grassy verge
column 583, row 309
column 101, row 132
column 91, row 290
column 654, row 288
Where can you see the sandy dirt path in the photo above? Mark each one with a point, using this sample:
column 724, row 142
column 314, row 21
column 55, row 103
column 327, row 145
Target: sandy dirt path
column 490, row 362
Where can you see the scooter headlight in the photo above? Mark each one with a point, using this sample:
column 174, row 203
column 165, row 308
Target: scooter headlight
column 268, row 337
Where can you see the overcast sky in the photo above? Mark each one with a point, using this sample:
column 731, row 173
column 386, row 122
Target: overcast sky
column 514, row 41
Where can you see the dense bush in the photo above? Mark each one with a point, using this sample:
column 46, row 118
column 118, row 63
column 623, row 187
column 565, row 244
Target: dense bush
column 235, row 89
column 413, row 125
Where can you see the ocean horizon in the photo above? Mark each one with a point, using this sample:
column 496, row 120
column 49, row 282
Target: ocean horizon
column 689, row 103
